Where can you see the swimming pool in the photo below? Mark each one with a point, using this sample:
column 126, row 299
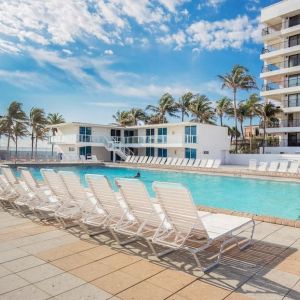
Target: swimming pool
column 262, row 197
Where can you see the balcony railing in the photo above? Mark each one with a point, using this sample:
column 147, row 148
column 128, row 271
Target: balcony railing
column 282, row 123
column 277, row 46
column 281, row 143
column 277, row 27
column 275, row 85
column 279, row 65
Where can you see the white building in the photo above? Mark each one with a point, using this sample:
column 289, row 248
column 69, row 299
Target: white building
column 281, row 72
column 109, row 142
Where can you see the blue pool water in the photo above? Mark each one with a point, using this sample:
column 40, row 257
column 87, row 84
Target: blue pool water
column 262, row 197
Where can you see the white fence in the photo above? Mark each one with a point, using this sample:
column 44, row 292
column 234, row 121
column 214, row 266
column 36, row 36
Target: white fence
column 243, row 159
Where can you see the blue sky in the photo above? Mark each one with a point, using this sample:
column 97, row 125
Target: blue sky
column 88, row 58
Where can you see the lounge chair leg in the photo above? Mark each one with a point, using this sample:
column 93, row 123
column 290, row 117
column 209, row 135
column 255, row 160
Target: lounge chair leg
column 122, row 243
column 158, row 254
column 250, row 239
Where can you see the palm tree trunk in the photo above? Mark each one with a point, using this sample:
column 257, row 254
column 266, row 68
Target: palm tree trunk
column 221, row 120
column 16, row 151
column 264, row 137
column 32, row 143
column 242, row 130
column 8, row 142
column 236, row 120
column 36, row 141
column 182, row 115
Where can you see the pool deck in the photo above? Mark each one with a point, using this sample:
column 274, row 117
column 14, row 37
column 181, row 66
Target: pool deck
column 42, row 261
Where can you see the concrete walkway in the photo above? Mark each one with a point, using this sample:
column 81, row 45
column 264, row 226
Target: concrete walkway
column 39, row 261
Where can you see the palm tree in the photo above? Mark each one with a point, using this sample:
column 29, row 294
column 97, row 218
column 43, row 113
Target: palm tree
column 14, row 113
column 166, row 106
column 223, row 107
column 122, row 118
column 41, row 133
column 202, row 110
column 54, row 119
column 135, row 115
column 252, row 104
column 18, row 130
column 154, row 119
column 267, row 112
column 232, row 131
column 237, row 79
column 242, row 114
column 183, row 104
column 37, row 119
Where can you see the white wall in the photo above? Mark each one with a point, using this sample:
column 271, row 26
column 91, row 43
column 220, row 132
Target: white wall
column 243, row 159
column 101, row 153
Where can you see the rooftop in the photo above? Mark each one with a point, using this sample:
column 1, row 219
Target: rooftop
column 42, row 261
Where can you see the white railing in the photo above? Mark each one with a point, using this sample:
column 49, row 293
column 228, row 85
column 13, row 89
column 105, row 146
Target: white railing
column 123, row 141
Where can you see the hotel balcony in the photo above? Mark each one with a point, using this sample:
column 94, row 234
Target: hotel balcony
column 283, row 126
column 277, row 89
column 279, row 69
column 131, row 141
column 280, row 49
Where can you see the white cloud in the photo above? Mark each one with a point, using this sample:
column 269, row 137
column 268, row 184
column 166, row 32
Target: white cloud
column 109, row 52
column 210, row 3
column 178, row 39
column 67, row 51
column 232, row 33
column 171, row 5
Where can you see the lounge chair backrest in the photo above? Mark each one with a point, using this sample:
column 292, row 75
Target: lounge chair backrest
column 149, row 160
column 273, row 166
column 197, row 163
column 82, row 157
column 94, row 158
column 185, row 162
column 210, row 163
column 294, row 167
column 128, row 158
column 174, row 161
column 132, row 158
column 252, row 164
column 157, row 162
column 163, row 161
column 153, row 161
column 28, row 178
column 203, row 163
column 144, row 159
column 177, row 204
column 138, row 200
column 136, row 158
column 9, row 175
column 262, row 166
column 191, row 162
column 73, row 184
column 217, row 163
column 140, row 159
column 169, row 160
column 105, row 195
column 55, row 183
column 179, row 161
column 283, row 166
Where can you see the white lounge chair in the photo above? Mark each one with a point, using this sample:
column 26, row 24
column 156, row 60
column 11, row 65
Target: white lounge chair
column 163, row 161
column 185, row 162
column 191, row 162
column 132, row 158
column 283, row 166
column 179, row 162
column 203, row 163
column 157, row 162
column 136, row 158
column 146, row 217
column 168, row 161
column 252, row 164
column 127, row 158
column 174, row 161
column 82, row 158
column 140, row 159
column 153, row 161
column 69, row 209
column 210, row 163
column 191, row 232
column 294, row 167
column 262, row 166
column 197, row 163
column 144, row 159
column 273, row 166
column 216, row 164
column 149, row 159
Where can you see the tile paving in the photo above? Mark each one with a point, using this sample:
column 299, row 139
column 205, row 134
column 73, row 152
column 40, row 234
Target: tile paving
column 40, row 261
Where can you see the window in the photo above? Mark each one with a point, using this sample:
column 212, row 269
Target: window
column 149, row 151
column 116, row 134
column 162, row 135
column 129, row 136
column 190, row 153
column 295, row 20
column 191, row 134
column 294, row 100
column 85, row 134
column 162, row 152
column 205, row 152
column 294, row 139
column 294, row 80
column 71, row 149
column 294, row 40
column 150, row 135
column 86, row 151
column 294, row 60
